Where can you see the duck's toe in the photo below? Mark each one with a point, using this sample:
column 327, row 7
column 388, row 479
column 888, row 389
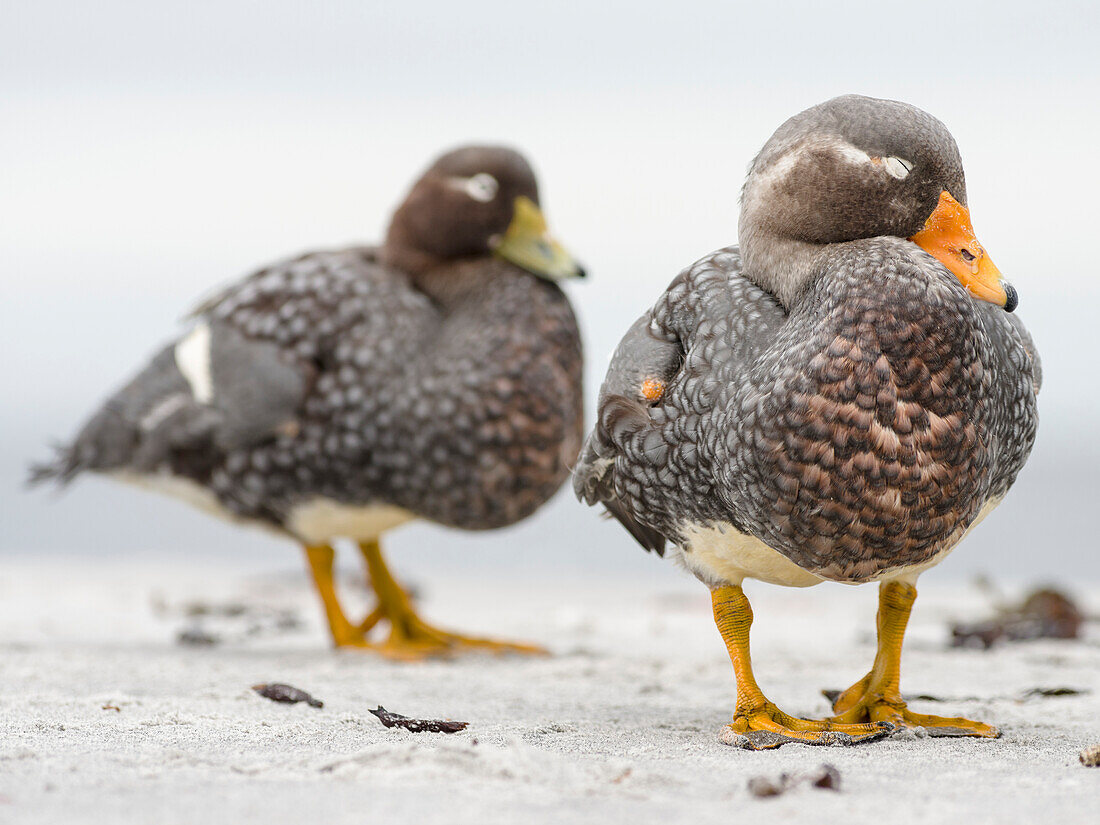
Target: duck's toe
column 766, row 727
column 870, row 708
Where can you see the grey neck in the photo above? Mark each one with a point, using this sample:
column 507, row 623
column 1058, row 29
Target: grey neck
column 784, row 267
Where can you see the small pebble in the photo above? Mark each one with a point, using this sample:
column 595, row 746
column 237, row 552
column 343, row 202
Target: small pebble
column 825, row 777
column 1090, row 757
column 762, row 786
column 909, row 734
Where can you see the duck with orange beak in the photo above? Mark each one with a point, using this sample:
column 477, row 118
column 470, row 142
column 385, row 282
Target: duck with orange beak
column 840, row 398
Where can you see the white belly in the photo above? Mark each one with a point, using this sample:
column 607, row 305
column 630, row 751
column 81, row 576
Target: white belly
column 180, row 488
column 194, row 494
column 322, row 519
column 314, row 522
column 719, row 554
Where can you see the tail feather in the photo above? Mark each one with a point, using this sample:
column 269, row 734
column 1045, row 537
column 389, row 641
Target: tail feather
column 238, row 391
column 620, row 418
column 648, row 537
column 128, row 431
column 60, row 469
column 108, row 441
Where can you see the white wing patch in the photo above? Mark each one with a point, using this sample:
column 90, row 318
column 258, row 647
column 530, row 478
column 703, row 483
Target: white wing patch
column 152, row 419
column 193, row 359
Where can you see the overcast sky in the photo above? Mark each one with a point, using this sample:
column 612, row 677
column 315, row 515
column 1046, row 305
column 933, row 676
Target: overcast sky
column 149, row 152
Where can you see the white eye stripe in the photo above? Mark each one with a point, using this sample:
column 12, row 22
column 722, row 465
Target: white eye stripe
column 898, row 167
column 482, row 187
column 850, row 153
column 779, row 169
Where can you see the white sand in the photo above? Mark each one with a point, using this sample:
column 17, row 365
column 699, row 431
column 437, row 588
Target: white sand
column 621, row 725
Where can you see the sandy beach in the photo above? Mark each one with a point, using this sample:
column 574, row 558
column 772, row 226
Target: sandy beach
column 107, row 716
column 157, row 152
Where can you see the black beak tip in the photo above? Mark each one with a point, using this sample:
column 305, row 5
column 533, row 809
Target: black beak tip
column 583, row 273
column 1012, row 298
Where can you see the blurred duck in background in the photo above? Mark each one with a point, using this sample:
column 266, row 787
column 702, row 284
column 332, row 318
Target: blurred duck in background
column 840, row 398
column 343, row 393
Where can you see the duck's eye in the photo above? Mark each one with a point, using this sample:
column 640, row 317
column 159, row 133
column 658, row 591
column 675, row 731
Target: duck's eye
column 898, row 167
column 481, row 187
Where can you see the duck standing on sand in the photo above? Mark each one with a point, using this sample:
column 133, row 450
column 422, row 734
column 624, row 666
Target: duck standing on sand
column 343, row 393
column 840, row 398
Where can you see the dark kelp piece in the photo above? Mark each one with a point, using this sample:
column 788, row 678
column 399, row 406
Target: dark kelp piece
column 396, row 720
column 278, row 692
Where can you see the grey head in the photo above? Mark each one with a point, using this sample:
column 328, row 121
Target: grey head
column 475, row 201
column 859, row 167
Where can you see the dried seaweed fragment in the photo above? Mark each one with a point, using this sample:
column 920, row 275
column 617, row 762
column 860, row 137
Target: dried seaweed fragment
column 196, row 637
column 1054, row 691
column 396, row 720
column 278, row 692
column 825, row 777
column 209, row 623
column 1046, row 613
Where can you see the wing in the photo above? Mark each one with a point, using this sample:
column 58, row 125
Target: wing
column 1017, row 378
column 644, row 442
column 1033, row 365
column 240, row 376
column 641, row 368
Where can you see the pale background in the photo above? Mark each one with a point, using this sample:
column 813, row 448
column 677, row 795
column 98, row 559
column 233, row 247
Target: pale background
column 149, row 153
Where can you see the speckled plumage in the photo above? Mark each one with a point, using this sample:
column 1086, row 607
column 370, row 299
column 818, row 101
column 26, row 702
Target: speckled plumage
column 855, row 438
column 858, row 429
column 450, row 389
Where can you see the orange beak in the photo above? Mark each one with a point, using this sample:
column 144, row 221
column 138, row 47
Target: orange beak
column 949, row 238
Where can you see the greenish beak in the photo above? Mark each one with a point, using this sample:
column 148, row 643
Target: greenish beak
column 528, row 245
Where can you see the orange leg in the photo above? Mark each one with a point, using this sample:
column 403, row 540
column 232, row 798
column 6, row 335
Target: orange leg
column 344, row 633
column 410, row 637
column 757, row 723
column 877, row 696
